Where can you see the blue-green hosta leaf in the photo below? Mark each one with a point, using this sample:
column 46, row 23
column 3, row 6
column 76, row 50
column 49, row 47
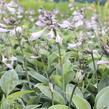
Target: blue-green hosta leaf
column 102, row 99
column 58, row 98
column 101, row 93
column 80, row 102
column 69, row 89
column 38, row 76
column 31, row 107
column 9, row 81
column 58, row 107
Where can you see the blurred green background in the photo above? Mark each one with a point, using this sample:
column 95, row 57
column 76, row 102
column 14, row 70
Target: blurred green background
column 63, row 6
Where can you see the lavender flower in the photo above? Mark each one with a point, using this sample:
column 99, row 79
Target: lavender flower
column 34, row 57
column 50, row 35
column 102, row 62
column 3, row 30
column 36, row 35
column 65, row 24
column 9, row 61
column 70, row 45
column 59, row 39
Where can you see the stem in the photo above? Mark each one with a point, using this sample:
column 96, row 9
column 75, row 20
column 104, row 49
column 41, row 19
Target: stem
column 52, row 98
column 60, row 60
column 22, row 53
column 72, row 95
column 52, row 92
column 93, row 61
column 95, row 69
column 61, row 64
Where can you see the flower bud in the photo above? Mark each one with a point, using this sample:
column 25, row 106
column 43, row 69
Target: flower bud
column 79, row 77
column 51, row 87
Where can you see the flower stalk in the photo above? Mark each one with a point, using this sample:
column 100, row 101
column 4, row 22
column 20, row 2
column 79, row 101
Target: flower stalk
column 60, row 60
column 72, row 94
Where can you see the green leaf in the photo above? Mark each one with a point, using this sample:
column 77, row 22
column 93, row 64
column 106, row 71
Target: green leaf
column 7, row 102
column 101, row 93
column 46, row 91
column 5, row 105
column 38, row 76
column 68, row 72
column 9, row 81
column 19, row 68
column 57, row 79
column 58, row 107
column 69, row 89
column 104, row 82
column 18, row 94
column 80, row 102
column 51, row 58
column 102, row 99
column 67, row 66
column 31, row 107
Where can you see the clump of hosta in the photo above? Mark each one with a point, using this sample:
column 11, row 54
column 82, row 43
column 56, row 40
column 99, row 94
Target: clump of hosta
column 63, row 56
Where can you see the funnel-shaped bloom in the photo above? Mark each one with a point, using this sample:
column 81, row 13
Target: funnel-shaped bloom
column 102, row 62
column 50, row 35
column 36, row 35
column 59, row 39
column 3, row 30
